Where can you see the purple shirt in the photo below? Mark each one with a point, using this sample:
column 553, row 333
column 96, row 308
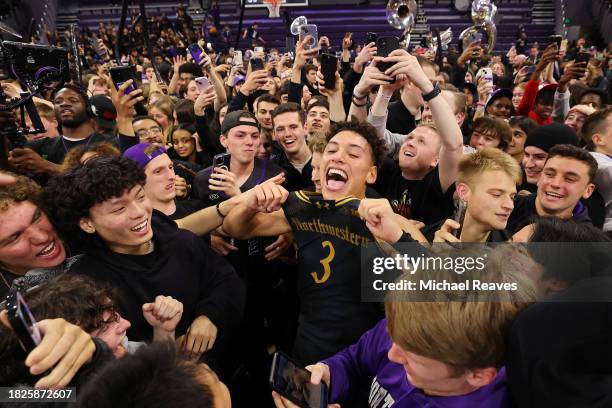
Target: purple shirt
column 390, row 387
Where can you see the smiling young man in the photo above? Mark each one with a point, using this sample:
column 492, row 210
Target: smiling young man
column 103, row 207
column 537, row 145
column 317, row 118
column 487, row 183
column 329, row 234
column 290, row 133
column 420, row 184
column 567, row 177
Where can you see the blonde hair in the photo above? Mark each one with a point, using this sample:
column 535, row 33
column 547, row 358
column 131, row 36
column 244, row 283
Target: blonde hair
column 317, row 143
column 473, row 165
column 463, row 329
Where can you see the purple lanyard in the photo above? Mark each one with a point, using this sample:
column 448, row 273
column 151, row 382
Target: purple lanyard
column 86, row 145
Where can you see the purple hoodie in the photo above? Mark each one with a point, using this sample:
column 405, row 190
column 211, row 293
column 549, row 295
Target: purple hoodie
column 389, row 385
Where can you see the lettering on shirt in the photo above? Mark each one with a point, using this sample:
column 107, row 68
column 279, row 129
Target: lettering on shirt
column 379, row 396
column 343, row 233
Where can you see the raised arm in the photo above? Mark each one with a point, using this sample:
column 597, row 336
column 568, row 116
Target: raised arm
column 450, row 133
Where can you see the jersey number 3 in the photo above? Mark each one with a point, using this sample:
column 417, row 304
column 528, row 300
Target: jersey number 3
column 326, row 263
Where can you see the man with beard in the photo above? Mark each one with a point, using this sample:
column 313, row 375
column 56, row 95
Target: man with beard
column 44, row 156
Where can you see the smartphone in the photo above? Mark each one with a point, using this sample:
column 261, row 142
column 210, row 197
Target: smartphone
column 196, row 52
column 555, row 39
column 202, row 83
column 385, row 46
column 289, row 44
column 459, row 216
column 22, row 321
column 371, row 38
column 292, row 381
column 257, row 64
column 583, row 57
column 476, row 38
column 121, row 74
column 310, row 30
column 172, row 51
column 237, row 61
column 563, row 46
column 222, row 160
column 258, row 49
column 329, row 66
column 486, row 73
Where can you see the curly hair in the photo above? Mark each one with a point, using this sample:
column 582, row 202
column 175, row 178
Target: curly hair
column 74, row 156
column 25, row 189
column 76, row 299
column 68, row 197
column 368, row 132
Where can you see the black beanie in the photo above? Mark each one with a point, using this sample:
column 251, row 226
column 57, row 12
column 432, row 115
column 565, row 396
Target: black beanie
column 547, row 136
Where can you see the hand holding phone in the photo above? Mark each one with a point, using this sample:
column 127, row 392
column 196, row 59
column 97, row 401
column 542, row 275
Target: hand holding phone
column 22, row 321
column 222, row 160
column 292, row 381
column 329, row 66
column 196, row 53
column 459, row 216
column 312, row 31
column 202, row 83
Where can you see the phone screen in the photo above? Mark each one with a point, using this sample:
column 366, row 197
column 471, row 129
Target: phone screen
column 196, row 53
column 329, row 65
column 459, row 216
column 293, row 382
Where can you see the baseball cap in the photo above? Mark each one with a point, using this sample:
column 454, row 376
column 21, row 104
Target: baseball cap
column 236, row 118
column 238, row 78
column 143, row 153
column 104, row 111
column 499, row 93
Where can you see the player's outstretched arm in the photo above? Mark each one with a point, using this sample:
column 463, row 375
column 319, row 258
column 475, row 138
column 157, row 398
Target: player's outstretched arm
column 260, row 214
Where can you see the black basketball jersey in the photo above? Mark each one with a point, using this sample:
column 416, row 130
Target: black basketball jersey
column 329, row 236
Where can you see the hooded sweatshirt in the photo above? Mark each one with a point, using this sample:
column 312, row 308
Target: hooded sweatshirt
column 182, row 266
column 389, row 385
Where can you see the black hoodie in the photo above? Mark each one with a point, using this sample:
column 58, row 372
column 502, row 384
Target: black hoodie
column 182, row 266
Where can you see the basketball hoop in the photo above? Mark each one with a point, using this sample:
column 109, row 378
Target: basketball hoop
column 273, row 8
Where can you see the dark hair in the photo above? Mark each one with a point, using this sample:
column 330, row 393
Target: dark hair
column 496, row 127
column 144, row 117
column 310, row 67
column 266, row 98
column 75, row 298
column 288, row 107
column 368, row 132
column 573, row 152
column 190, row 68
column 595, row 123
column 565, row 260
column 68, row 197
column 73, row 157
column 154, row 377
column 602, row 95
column 284, row 88
column 546, row 96
column 322, row 104
column 184, row 111
column 188, row 127
column 524, row 122
column 78, row 89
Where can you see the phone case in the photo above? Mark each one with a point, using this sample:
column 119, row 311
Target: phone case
column 310, row 30
column 277, row 356
column 257, row 64
column 385, row 46
column 329, row 65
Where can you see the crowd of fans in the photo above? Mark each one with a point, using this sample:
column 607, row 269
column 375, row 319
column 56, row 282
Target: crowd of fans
column 117, row 224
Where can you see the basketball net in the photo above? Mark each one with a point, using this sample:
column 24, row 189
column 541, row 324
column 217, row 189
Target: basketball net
column 273, row 8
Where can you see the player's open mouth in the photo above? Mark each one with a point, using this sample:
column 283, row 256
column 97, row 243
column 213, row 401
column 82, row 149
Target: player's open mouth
column 408, row 153
column 336, row 179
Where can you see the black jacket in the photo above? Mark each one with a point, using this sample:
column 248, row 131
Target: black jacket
column 181, row 266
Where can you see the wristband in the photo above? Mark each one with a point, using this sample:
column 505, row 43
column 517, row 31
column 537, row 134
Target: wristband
column 359, row 98
column 359, row 105
column 382, row 95
column 219, row 210
column 434, row 92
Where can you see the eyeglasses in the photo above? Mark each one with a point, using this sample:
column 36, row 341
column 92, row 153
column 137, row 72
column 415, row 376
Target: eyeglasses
column 146, row 132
